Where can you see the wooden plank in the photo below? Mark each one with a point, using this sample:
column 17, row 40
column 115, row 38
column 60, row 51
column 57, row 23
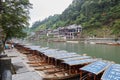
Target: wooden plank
column 34, row 62
column 53, row 70
column 45, row 68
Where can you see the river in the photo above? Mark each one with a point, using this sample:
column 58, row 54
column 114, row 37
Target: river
column 106, row 52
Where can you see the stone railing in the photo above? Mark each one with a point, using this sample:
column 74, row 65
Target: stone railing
column 5, row 68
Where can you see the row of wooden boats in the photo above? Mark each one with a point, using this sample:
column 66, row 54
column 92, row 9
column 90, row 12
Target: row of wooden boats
column 54, row 64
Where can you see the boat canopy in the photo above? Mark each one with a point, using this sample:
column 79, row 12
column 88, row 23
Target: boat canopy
column 60, row 55
column 43, row 48
column 96, row 67
column 32, row 47
column 80, row 62
column 66, row 56
column 112, row 73
column 76, row 58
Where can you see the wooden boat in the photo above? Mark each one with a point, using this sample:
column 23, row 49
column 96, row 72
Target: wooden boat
column 45, row 67
column 61, row 76
column 94, row 70
column 38, row 64
column 52, row 70
column 34, row 62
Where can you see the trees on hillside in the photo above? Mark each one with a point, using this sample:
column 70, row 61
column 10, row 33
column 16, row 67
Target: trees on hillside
column 116, row 28
column 91, row 14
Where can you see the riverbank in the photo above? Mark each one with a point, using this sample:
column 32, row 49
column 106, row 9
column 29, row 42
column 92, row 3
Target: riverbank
column 104, row 41
column 21, row 69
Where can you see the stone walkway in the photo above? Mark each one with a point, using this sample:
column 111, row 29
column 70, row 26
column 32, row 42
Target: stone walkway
column 22, row 70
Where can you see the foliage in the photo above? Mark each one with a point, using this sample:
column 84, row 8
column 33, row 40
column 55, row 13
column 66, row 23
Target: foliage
column 15, row 17
column 116, row 27
column 46, row 23
column 91, row 14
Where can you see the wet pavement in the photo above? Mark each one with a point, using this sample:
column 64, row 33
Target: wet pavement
column 22, row 70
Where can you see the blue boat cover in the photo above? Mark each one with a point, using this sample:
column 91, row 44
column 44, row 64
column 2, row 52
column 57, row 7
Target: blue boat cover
column 76, row 58
column 96, row 67
column 79, row 62
column 112, row 73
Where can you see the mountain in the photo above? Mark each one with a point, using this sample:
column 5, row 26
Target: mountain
column 97, row 17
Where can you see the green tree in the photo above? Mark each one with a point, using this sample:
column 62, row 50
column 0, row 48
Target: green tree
column 116, row 28
column 14, row 17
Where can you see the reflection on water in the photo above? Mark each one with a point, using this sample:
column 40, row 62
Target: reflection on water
column 106, row 52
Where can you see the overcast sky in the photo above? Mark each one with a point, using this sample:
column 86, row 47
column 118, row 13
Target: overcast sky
column 44, row 8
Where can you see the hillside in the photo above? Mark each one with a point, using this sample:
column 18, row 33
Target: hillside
column 97, row 17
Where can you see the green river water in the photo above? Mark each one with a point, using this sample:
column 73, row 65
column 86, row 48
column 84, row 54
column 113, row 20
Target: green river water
column 106, row 52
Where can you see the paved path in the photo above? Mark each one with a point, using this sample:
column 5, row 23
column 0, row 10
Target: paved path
column 23, row 71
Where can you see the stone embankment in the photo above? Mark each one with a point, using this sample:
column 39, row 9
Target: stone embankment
column 21, row 70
